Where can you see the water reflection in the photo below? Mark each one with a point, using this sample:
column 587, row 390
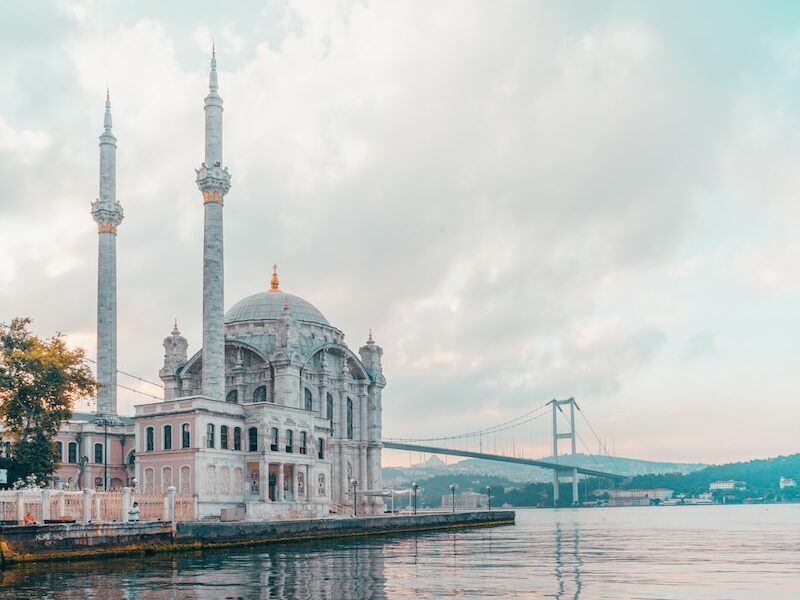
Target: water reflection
column 562, row 559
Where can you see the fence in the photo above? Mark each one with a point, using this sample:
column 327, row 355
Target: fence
column 91, row 506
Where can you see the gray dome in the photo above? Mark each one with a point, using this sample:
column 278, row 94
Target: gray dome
column 266, row 306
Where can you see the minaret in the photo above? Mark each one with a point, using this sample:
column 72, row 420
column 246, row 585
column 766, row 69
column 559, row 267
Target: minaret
column 107, row 213
column 214, row 181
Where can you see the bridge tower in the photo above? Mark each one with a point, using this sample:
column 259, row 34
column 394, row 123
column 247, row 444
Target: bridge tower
column 570, row 435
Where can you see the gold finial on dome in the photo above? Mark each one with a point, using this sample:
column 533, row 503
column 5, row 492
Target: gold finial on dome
column 275, row 284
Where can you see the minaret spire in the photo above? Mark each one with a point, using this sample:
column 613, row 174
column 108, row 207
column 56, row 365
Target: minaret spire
column 214, row 181
column 108, row 214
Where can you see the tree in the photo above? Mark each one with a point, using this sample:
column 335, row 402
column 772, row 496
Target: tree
column 40, row 380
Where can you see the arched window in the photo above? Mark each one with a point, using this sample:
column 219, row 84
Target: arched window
column 260, row 395
column 232, row 397
column 167, row 437
column 289, row 440
column 72, row 453
column 252, row 439
column 185, row 436
column 223, row 437
column 149, row 439
column 59, row 451
column 273, row 437
column 237, row 438
column 329, row 407
column 166, row 478
column 98, row 454
column 210, row 435
column 321, row 448
column 303, row 442
column 309, row 404
column 349, row 419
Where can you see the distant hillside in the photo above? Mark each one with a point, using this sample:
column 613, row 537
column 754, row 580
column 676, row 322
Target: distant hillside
column 399, row 476
column 760, row 476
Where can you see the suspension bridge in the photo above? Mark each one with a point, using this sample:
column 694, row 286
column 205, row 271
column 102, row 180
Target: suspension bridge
column 561, row 426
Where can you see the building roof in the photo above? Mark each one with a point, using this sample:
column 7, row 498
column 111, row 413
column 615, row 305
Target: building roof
column 267, row 306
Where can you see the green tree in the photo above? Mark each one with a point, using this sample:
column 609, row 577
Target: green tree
column 40, row 380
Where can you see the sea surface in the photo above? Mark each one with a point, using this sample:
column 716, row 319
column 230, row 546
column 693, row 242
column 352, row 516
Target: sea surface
column 677, row 552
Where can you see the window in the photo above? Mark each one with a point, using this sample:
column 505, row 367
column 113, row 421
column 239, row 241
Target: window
column 149, row 437
column 260, row 395
column 309, row 401
column 72, row 453
column 237, row 438
column 210, row 435
column 252, row 439
column 185, row 437
column 303, row 442
column 59, row 451
column 273, row 436
column 167, row 437
column 289, row 440
column 98, row 454
column 329, row 407
column 321, row 448
column 349, row 419
column 233, row 397
column 223, row 437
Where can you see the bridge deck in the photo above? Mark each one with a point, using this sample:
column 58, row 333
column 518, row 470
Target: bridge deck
column 500, row 458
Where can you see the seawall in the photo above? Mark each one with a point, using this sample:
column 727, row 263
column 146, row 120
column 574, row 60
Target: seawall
column 77, row 541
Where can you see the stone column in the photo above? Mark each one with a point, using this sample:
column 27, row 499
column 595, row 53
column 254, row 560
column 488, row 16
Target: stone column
column 87, row 505
column 45, row 505
column 169, row 506
column 126, row 504
column 279, row 491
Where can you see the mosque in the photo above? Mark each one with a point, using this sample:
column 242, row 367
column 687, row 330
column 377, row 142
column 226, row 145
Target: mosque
column 275, row 414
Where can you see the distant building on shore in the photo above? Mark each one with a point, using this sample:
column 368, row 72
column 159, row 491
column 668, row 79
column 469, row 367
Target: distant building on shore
column 787, row 482
column 636, row 497
column 467, row 500
column 727, row 485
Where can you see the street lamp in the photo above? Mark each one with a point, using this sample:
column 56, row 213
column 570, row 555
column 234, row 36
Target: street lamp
column 489, row 494
column 355, row 505
column 414, row 487
column 453, row 495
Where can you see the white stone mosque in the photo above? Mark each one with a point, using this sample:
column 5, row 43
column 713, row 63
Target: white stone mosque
column 275, row 414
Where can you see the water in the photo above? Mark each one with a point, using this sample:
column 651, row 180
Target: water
column 698, row 552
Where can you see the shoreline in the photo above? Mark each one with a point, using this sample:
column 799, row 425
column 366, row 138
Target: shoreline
column 85, row 541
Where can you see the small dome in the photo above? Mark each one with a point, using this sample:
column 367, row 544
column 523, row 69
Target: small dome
column 266, row 306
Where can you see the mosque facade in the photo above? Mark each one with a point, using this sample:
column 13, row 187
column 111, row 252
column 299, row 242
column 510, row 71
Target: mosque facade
column 274, row 414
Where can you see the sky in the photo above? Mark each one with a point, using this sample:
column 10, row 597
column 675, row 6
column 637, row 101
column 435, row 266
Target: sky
column 523, row 200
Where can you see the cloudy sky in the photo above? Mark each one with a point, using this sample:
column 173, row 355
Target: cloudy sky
column 523, row 200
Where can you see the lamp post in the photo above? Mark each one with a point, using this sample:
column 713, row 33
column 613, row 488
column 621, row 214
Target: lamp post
column 489, row 494
column 414, row 487
column 355, row 505
column 453, row 495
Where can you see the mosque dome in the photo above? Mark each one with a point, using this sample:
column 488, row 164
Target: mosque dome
column 267, row 306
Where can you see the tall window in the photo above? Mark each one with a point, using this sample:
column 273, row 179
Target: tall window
column 349, row 419
column 289, row 440
column 252, row 439
column 303, row 436
column 320, row 448
column 237, row 438
column 233, row 397
column 210, row 435
column 329, row 407
column 185, row 436
column 59, row 451
column 260, row 395
column 273, row 437
column 149, row 437
column 72, row 453
column 98, row 454
column 223, row 437
column 167, row 433
column 309, row 403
